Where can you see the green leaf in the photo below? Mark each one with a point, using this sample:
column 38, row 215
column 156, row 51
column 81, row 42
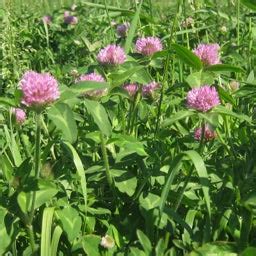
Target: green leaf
column 71, row 222
column 85, row 86
column 160, row 247
column 63, row 117
column 223, row 68
column 217, row 248
column 203, row 175
column 144, row 241
column 149, row 202
column 175, row 166
column 99, row 115
column 187, row 56
column 5, row 239
column 80, row 170
column 251, row 4
column 250, row 251
column 7, row 102
column 136, row 252
column 120, row 78
column 46, row 232
column 46, row 191
column 132, row 29
column 178, row 116
column 91, row 245
column 200, row 78
column 55, row 240
column 125, row 181
column 224, row 111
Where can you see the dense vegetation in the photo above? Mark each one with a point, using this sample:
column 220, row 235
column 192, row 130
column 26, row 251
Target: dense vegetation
column 127, row 128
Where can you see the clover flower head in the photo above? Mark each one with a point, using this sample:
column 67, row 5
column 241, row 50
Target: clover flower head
column 209, row 133
column 20, row 115
column 96, row 78
column 38, row 89
column 208, row 53
column 148, row 89
column 111, row 55
column 122, row 29
column 148, row 45
column 131, row 89
column 203, row 98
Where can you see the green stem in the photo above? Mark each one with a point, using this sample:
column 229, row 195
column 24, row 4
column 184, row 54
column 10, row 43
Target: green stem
column 37, row 172
column 106, row 163
column 238, row 22
column 109, row 20
column 166, row 68
column 31, row 238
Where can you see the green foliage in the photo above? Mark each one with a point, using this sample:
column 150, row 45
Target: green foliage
column 125, row 173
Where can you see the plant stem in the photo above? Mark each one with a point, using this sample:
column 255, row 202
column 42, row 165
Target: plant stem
column 166, row 68
column 109, row 20
column 106, row 163
column 238, row 22
column 37, row 172
column 31, row 238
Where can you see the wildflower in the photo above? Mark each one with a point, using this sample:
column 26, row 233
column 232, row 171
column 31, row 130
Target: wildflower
column 208, row 53
column 112, row 55
column 203, row 98
column 188, row 22
column 38, row 89
column 47, row 19
column 131, row 89
column 223, row 29
column 70, row 19
column 96, row 78
column 122, row 29
column 148, row 89
column 148, row 45
column 74, row 72
column 20, row 115
column 107, row 242
column 73, row 7
column 209, row 133
column 234, row 85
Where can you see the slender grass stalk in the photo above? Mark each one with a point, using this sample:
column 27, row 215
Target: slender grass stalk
column 134, row 112
column 250, row 45
column 166, row 68
column 106, row 163
column 238, row 22
column 109, row 20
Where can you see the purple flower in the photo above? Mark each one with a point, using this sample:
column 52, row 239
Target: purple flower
column 96, row 78
column 70, row 19
column 38, row 89
column 203, row 98
column 209, row 133
column 20, row 115
column 148, row 45
column 47, row 19
column 208, row 53
column 148, row 89
column 131, row 89
column 112, row 55
column 122, row 29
